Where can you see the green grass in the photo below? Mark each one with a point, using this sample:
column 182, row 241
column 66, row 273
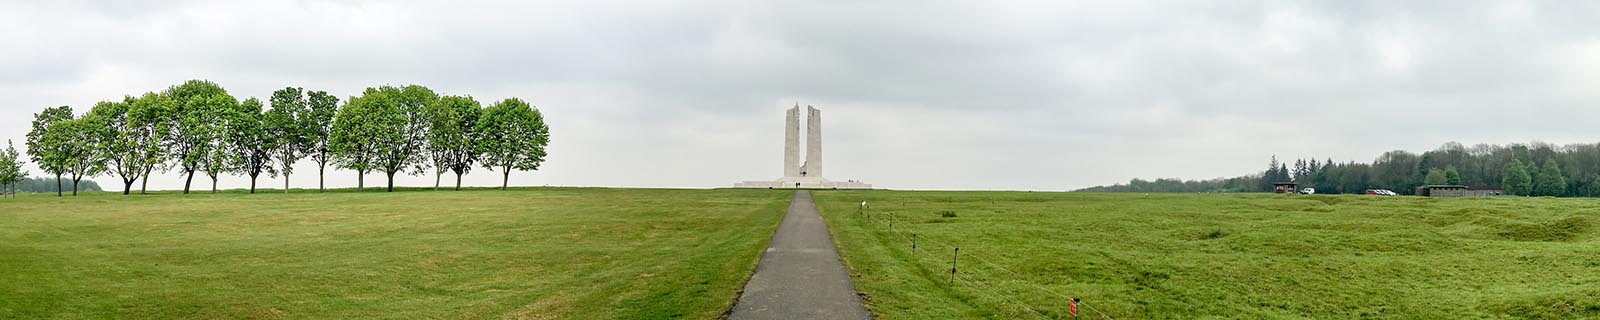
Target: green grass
column 1187, row 256
column 537, row 253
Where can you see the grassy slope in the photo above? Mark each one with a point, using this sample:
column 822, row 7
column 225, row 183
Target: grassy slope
column 539, row 253
column 1137, row 256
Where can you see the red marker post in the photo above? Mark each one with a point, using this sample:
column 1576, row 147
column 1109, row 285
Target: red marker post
column 1072, row 306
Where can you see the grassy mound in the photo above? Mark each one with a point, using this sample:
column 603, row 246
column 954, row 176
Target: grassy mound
column 1187, row 256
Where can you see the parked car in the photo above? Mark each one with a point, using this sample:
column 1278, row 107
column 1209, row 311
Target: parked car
column 1308, row 191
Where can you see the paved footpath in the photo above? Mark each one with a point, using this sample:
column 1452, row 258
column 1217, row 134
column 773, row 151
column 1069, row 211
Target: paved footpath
column 800, row 276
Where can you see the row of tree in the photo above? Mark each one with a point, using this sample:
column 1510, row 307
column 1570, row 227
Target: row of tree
column 197, row 127
column 1536, row 169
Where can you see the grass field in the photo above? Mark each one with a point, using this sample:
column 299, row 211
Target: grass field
column 541, row 253
column 1135, row 256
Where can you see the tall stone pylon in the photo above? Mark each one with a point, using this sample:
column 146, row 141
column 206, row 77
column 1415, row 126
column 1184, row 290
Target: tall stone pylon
column 813, row 166
column 791, row 143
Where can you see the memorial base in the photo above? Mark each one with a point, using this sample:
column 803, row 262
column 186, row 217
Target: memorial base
column 802, row 183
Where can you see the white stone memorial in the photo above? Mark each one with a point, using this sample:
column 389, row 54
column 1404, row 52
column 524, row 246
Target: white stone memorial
column 806, row 174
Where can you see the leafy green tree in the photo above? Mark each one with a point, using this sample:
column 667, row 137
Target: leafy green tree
column 1593, row 189
column 220, row 158
column 1435, row 177
column 1355, row 177
column 119, row 145
column 405, row 151
column 1325, row 178
column 1451, row 176
column 1425, row 166
column 318, row 123
column 1396, row 171
column 402, row 136
column 512, row 135
column 452, row 134
column 1515, row 179
column 199, row 109
column 288, row 130
column 250, row 141
column 78, row 141
column 46, row 149
column 150, row 118
column 11, row 169
column 356, row 128
column 1549, row 181
column 1533, row 173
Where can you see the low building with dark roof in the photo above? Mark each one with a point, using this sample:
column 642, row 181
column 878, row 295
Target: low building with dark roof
column 1459, row 191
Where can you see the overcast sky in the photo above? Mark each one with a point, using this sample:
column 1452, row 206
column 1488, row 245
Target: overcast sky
column 1045, row 95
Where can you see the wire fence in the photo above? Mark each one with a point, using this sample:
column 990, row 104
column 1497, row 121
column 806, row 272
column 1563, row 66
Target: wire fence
column 939, row 256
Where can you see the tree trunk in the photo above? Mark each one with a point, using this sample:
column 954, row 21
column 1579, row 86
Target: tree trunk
column 458, row 181
column 146, row 183
column 127, row 186
column 436, row 176
column 213, row 184
column 285, row 181
column 361, row 181
column 75, row 185
column 187, row 182
column 506, row 180
column 391, row 181
column 58, row 184
column 320, row 187
column 253, row 184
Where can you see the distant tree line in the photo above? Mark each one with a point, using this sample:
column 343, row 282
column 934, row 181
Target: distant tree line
column 1533, row 169
column 197, row 127
column 48, row 185
column 1236, row 184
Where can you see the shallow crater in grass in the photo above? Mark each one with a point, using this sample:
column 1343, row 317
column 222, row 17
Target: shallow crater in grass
column 1561, row 305
column 1332, row 200
column 1564, row 229
column 1200, row 234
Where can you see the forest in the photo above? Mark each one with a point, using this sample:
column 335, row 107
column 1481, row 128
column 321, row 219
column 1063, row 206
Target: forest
column 1531, row 169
